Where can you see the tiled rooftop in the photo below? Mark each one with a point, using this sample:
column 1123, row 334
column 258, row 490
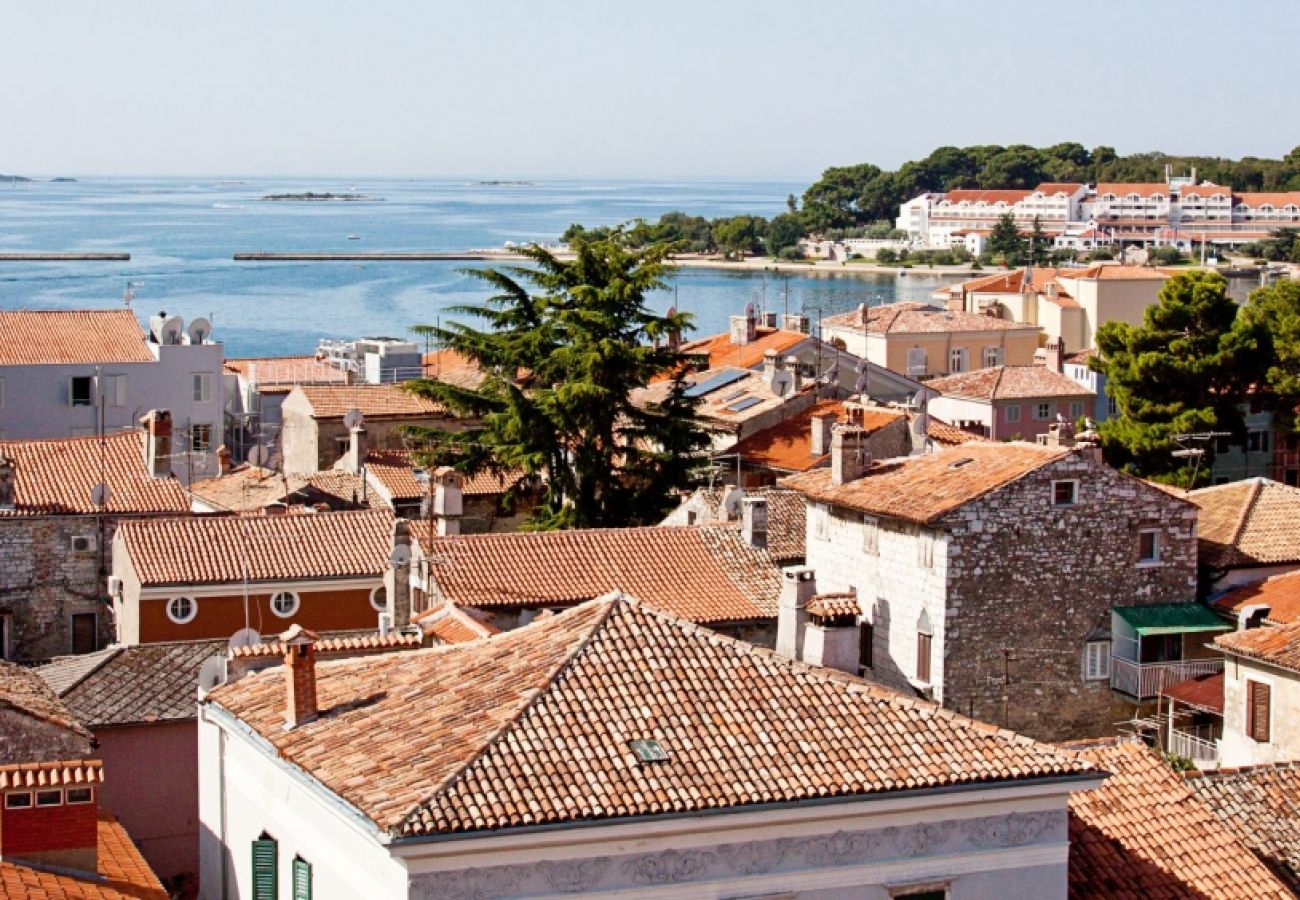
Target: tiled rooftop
column 56, row 477
column 1114, row 272
column 1277, row 645
column 1255, row 522
column 57, row 337
column 23, row 690
column 1205, row 693
column 335, row 645
column 786, row 519
column 721, row 352
column 704, row 574
column 286, row 370
column 1009, row 383
column 946, row 435
column 1261, row 806
column 59, row 772
column 122, row 873
column 451, row 367
column 452, row 625
column 382, row 401
column 787, row 446
column 1143, row 835
column 212, row 549
column 833, row 606
column 924, row 489
column 533, row 727
column 1281, row 594
column 396, row 471
column 907, row 317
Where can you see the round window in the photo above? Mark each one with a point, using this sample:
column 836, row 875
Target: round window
column 284, row 604
column 182, row 609
column 379, row 598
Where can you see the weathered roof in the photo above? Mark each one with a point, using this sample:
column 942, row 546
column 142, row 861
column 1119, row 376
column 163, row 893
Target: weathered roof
column 342, row 643
column 286, row 370
column 376, row 401
column 454, row 368
column 1255, row 522
column 452, row 625
column 986, row 195
column 213, row 549
column 1009, row 383
column 62, row 336
column 1116, row 272
column 909, row 317
column 1204, row 693
column 132, row 685
column 1261, row 806
column 250, row 489
column 704, row 574
column 787, row 521
column 833, row 606
column 23, row 690
column 56, row 477
column 399, row 475
column 534, row 726
column 1277, row 645
column 924, row 489
column 946, row 435
column 721, row 352
column 1281, row 594
column 122, row 873
column 787, row 445
column 1144, row 834
column 52, row 773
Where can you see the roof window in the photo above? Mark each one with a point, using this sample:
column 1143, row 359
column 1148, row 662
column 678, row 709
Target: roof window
column 958, row 463
column 649, row 750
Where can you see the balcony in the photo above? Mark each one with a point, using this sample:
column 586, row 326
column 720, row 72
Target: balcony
column 1144, row 681
column 1197, row 744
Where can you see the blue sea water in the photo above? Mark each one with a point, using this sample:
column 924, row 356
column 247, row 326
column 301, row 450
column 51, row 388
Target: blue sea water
column 181, row 234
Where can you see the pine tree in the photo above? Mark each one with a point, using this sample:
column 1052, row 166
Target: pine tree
column 1005, row 242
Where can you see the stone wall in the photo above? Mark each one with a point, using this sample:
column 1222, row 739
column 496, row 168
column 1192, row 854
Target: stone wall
column 24, row 739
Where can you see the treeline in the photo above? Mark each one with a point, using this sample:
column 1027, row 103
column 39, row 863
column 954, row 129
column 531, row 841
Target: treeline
column 733, row 236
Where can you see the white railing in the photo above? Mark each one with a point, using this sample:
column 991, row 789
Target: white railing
column 1146, row 681
column 1194, row 747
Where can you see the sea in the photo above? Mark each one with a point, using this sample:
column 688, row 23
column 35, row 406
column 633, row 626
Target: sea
column 182, row 234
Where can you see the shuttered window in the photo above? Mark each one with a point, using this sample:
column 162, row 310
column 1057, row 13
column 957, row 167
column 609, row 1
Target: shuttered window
column 1096, row 660
column 1258, row 714
column 301, row 879
column 923, row 657
column 265, row 860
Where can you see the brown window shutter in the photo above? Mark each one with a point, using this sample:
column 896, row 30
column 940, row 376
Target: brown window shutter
column 923, row 657
column 1260, row 714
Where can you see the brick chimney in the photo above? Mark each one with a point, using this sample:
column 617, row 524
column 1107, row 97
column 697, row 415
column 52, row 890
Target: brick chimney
column 849, row 456
column 358, row 449
column 397, row 577
column 223, row 460
column 300, row 676
column 754, row 521
column 821, row 433
column 158, row 443
column 798, row 585
column 448, row 500
column 1054, row 358
column 7, row 482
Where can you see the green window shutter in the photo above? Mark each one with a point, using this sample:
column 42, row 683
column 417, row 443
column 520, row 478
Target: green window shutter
column 265, row 860
column 301, row 879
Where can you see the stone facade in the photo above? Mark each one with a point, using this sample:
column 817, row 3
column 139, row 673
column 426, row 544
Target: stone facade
column 1011, row 571
column 24, row 739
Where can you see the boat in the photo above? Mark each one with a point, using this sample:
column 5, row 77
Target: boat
column 354, row 237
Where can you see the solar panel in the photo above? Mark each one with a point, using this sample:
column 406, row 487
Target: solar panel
column 742, row 405
column 733, row 395
column 712, row 383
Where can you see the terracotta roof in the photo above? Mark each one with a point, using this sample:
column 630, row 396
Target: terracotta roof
column 23, row 690
column 1259, row 198
column 534, row 726
column 1115, row 272
column 786, row 519
column 947, row 435
column 452, row 625
column 721, row 352
column 381, row 401
column 57, row 336
column 1255, row 522
column 909, row 317
column 1081, row 357
column 1281, row 594
column 212, row 549
column 286, row 370
column 977, row 195
column 1009, row 383
column 787, row 445
column 1011, row 281
column 1144, row 834
column 251, row 489
column 132, row 685
column 56, row 477
column 50, row 774
column 340, row 645
column 926, row 488
column 1277, row 645
column 398, row 473
column 1066, row 187
column 834, row 606
column 1204, row 693
column 704, row 574
column 122, row 873
column 1261, row 806
column 454, row 368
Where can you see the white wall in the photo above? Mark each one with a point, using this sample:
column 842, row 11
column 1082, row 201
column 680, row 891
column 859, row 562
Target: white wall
column 1236, row 747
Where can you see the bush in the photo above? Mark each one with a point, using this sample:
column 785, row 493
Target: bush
column 1101, row 254
column 791, row 254
column 886, row 255
column 1165, row 256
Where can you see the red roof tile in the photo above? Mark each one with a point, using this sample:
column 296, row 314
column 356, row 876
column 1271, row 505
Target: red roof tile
column 51, row 774
column 978, row 195
column 452, row 625
column 908, row 317
column 286, row 370
column 1258, row 804
column 24, row 690
column 398, row 473
column 57, row 336
column 327, row 646
column 788, row 444
column 381, row 401
column 122, row 873
column 721, row 352
column 1277, row 645
column 1255, row 522
column 1281, row 594
column 1122, row 189
column 1204, row 693
column 454, row 368
column 1009, row 383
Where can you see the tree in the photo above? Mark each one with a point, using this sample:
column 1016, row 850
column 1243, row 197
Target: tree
column 1270, row 321
column 1038, row 248
column 832, row 202
column 1183, row 370
column 739, row 235
column 783, row 232
column 1004, row 240
column 566, row 344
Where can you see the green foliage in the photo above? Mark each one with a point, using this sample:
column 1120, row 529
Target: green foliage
column 1179, row 763
column 1165, row 256
column 1270, row 321
column 739, row 236
column 1039, row 245
column 887, row 256
column 1005, row 242
column 783, row 233
column 1282, row 245
column 565, row 343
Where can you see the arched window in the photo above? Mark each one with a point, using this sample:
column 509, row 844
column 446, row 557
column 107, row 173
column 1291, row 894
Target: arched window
column 182, row 609
column 285, row 603
column 924, row 647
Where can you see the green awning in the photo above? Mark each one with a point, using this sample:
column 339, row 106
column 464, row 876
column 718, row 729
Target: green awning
column 1171, row 618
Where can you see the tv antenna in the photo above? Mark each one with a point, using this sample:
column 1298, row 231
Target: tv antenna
column 1188, row 448
column 129, row 294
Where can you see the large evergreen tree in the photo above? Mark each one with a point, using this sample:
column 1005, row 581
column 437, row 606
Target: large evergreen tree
column 566, row 343
column 1005, row 242
column 1270, row 322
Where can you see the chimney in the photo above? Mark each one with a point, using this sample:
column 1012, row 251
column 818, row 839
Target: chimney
column 300, row 676
column 919, row 426
column 739, row 333
column 795, row 322
column 1088, row 442
column 358, row 450
column 769, row 320
column 223, row 460
column 849, row 456
column 448, row 500
column 6, row 482
column 821, row 433
column 1054, row 359
column 831, row 637
column 158, row 443
column 1252, row 616
column 798, row 585
column 771, row 365
column 754, row 521
column 674, row 334
column 397, row 577
column 796, row 377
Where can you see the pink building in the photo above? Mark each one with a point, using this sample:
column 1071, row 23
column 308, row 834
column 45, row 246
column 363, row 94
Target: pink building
column 1011, row 402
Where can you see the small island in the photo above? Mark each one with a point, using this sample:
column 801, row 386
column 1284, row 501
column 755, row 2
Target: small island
column 63, row 179
column 13, row 179
column 499, row 183
column 313, row 197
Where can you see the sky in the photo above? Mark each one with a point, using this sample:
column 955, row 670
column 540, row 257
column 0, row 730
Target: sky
column 668, row 89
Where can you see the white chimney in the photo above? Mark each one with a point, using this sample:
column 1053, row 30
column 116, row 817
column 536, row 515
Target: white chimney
column 771, row 365
column 849, row 457
column 397, row 578
column 158, row 443
column 754, row 521
column 1054, row 359
column 798, row 585
column 769, row 319
column 358, row 450
column 448, row 500
column 821, row 434
column 796, row 377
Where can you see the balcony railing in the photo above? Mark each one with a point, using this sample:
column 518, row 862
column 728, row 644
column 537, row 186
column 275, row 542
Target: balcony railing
column 1200, row 748
column 1145, row 681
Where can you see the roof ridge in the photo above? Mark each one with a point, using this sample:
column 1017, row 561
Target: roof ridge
column 1243, row 517
column 111, row 653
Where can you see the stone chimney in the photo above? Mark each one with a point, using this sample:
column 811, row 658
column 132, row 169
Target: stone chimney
column 1088, row 442
column 771, row 365
column 300, row 676
column 1059, row 434
column 744, row 329
column 358, row 449
column 158, row 443
column 849, row 456
column 223, row 460
column 796, row 377
column 448, row 500
column 397, row 577
column 798, row 585
column 919, row 427
column 1054, row 359
column 821, row 433
column 754, row 521
column 7, row 482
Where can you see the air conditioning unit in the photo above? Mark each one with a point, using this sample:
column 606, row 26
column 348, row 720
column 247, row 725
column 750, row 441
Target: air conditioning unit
column 114, row 586
column 83, row 543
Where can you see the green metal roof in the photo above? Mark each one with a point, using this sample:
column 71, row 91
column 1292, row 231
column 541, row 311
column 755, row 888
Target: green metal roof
column 1171, row 618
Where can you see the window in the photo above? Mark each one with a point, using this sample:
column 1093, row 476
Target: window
column 870, row 534
column 957, row 359
column 691, row 517
column 1112, row 407
column 51, row 797
column 1065, row 493
column 924, row 647
column 1096, row 661
column 182, row 609
column 821, row 523
column 113, row 389
column 78, row 796
column 1257, row 710
column 85, row 632
column 1257, row 441
column 200, row 438
column 202, row 385
column 285, row 603
column 266, row 866
column 866, row 645
column 1042, row 411
column 81, row 391
column 1012, row 412
column 992, row 357
column 1148, row 546
column 925, row 549
column 919, row 893
column 1076, row 410
column 301, row 879
column 379, row 598
column 19, row 800
column 916, row 362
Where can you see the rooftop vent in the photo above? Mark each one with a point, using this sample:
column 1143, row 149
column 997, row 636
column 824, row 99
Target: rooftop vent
column 649, row 751
column 957, row 464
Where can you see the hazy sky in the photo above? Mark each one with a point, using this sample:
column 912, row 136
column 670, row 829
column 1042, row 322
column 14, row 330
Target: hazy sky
column 755, row 88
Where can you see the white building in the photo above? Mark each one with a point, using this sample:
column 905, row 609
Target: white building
column 1261, row 695
column 613, row 750
column 69, row 373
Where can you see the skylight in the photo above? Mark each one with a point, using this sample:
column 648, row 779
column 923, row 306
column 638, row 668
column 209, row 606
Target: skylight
column 649, row 751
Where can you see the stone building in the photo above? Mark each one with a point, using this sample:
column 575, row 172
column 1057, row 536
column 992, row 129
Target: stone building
column 55, row 539
column 35, row 725
column 986, row 574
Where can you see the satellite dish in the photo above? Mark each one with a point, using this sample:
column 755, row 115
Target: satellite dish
column 100, row 494
column 244, row 637
column 353, row 419
column 731, row 503
column 212, row 672
column 400, row 556
column 259, row 455
column 199, row 330
column 750, row 310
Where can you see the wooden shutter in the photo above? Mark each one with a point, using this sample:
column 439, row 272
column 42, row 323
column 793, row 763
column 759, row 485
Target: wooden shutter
column 923, row 657
column 265, row 859
column 301, row 879
column 1258, row 714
